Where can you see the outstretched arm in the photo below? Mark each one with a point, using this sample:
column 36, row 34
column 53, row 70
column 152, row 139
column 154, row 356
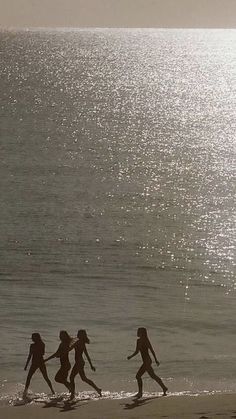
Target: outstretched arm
column 28, row 359
column 55, row 355
column 153, row 353
column 135, row 352
column 89, row 360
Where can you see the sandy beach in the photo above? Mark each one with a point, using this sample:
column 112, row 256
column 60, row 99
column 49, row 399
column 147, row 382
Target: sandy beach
column 176, row 407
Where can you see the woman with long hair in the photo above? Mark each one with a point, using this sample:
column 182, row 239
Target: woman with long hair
column 143, row 346
column 36, row 352
column 63, row 353
column 78, row 368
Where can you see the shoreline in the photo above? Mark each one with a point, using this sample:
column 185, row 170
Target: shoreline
column 172, row 407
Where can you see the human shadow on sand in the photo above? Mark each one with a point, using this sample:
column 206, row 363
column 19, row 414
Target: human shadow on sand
column 34, row 399
column 138, row 402
column 65, row 405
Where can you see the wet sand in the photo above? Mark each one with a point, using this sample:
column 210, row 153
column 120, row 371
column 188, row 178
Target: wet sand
column 174, row 407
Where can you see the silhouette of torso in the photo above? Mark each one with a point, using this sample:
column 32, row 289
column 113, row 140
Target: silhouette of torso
column 63, row 352
column 143, row 349
column 37, row 350
column 79, row 349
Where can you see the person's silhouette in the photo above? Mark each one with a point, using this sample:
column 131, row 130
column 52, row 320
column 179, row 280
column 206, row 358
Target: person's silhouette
column 143, row 346
column 36, row 352
column 63, row 353
column 78, row 368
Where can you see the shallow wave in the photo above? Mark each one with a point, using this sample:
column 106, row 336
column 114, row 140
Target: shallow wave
column 15, row 398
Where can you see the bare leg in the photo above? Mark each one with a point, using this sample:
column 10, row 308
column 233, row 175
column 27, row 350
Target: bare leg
column 73, row 374
column 157, row 379
column 139, row 374
column 88, row 381
column 31, row 372
column 61, row 377
column 45, row 376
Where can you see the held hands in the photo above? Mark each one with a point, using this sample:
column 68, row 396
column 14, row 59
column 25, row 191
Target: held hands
column 93, row 368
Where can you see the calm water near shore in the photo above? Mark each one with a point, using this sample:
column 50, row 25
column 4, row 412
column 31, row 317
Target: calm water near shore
column 118, row 202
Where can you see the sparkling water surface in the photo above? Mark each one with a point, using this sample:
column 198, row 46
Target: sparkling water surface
column 118, row 201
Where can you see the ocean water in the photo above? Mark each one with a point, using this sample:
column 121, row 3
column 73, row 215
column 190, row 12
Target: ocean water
column 117, row 206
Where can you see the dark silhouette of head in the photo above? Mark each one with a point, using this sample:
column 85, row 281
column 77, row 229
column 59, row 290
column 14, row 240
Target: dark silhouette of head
column 64, row 336
column 142, row 332
column 82, row 335
column 36, row 338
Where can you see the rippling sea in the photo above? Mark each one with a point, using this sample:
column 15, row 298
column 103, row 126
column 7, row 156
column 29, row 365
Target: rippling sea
column 118, row 202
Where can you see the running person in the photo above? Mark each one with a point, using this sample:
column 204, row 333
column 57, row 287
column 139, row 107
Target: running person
column 63, row 353
column 143, row 346
column 78, row 368
column 36, row 352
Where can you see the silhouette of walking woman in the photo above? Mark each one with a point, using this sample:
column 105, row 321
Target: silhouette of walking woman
column 78, row 368
column 63, row 353
column 143, row 346
column 36, row 352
